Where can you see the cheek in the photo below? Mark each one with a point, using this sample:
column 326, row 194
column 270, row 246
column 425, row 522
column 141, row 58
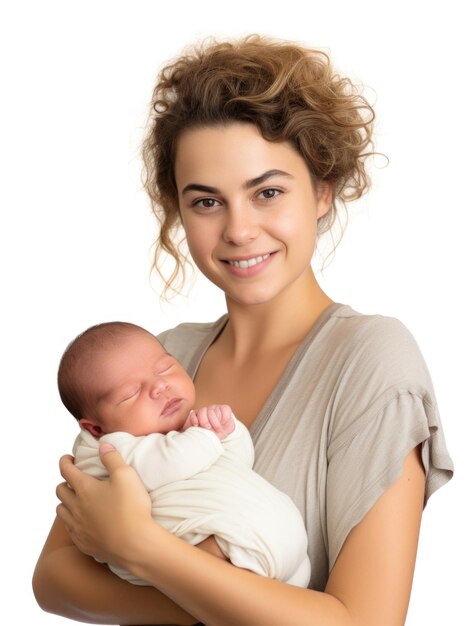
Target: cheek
column 198, row 237
column 183, row 383
column 297, row 227
column 196, row 247
column 190, row 392
column 203, row 245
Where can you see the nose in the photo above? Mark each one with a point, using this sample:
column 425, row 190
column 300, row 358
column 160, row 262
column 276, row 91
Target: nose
column 160, row 385
column 241, row 225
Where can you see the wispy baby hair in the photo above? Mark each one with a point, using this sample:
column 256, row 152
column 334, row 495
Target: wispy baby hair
column 76, row 357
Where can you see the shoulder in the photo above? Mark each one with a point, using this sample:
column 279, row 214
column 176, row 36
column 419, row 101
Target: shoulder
column 361, row 327
column 187, row 331
column 367, row 361
column 372, row 362
column 375, row 348
column 183, row 340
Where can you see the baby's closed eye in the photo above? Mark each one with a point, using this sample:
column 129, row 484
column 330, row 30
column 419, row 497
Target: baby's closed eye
column 129, row 394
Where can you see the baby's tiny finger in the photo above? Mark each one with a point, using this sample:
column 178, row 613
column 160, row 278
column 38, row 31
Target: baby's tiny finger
column 214, row 420
column 226, row 413
column 203, row 418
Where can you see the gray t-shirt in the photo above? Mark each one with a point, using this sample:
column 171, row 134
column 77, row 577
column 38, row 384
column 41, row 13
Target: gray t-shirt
column 354, row 400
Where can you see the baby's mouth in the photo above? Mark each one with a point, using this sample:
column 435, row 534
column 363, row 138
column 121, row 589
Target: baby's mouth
column 171, row 406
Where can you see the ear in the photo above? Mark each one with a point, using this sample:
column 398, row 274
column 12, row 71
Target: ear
column 92, row 428
column 324, row 194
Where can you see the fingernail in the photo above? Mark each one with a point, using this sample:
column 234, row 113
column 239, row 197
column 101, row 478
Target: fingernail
column 105, row 448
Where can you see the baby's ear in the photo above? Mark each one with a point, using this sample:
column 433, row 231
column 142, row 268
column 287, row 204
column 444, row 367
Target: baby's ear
column 92, row 428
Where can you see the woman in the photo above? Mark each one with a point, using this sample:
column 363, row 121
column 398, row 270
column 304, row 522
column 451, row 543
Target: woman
column 252, row 144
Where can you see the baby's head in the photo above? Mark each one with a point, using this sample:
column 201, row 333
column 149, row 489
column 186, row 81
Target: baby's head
column 118, row 377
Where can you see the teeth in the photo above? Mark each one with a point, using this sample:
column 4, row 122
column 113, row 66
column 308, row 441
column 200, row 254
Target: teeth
column 249, row 262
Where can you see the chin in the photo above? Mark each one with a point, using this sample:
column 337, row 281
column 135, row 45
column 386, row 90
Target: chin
column 252, row 297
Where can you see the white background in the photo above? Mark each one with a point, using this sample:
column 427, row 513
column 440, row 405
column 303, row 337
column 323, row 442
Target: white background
column 76, row 228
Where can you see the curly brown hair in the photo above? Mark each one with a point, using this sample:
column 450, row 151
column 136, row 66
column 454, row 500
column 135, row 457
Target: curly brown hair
column 289, row 92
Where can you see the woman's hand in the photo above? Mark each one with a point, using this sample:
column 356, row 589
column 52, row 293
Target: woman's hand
column 103, row 516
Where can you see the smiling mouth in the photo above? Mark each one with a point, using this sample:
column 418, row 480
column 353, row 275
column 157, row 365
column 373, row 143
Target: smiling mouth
column 249, row 262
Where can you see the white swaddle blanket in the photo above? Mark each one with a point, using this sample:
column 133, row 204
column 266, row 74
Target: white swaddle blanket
column 201, row 486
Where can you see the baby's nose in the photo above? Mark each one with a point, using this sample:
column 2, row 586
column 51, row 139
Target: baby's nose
column 159, row 386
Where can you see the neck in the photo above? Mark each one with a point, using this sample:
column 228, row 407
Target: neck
column 282, row 322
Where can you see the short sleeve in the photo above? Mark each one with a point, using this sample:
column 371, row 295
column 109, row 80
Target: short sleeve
column 388, row 384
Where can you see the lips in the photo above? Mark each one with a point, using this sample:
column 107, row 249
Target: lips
column 171, row 406
column 250, row 266
column 250, row 262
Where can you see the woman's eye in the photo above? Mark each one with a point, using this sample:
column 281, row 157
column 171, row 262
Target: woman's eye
column 268, row 194
column 206, row 203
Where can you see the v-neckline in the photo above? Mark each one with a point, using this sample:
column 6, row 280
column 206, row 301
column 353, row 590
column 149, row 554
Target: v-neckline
column 272, row 400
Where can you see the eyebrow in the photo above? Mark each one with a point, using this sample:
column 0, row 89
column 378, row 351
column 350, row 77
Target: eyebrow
column 253, row 182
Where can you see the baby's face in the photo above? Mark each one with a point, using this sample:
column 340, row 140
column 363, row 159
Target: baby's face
column 139, row 388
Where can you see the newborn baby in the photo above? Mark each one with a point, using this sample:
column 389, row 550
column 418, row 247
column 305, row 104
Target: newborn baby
column 124, row 388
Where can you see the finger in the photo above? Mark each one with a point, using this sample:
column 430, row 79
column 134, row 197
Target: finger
column 193, row 418
column 214, row 420
column 111, row 458
column 69, row 472
column 203, row 418
column 66, row 495
column 65, row 516
column 226, row 413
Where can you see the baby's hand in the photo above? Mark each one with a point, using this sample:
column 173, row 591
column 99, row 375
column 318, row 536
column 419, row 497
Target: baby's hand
column 217, row 417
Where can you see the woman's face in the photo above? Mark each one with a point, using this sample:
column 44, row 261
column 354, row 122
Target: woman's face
column 249, row 210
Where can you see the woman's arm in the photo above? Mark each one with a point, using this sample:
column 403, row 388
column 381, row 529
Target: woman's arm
column 369, row 584
column 69, row 583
